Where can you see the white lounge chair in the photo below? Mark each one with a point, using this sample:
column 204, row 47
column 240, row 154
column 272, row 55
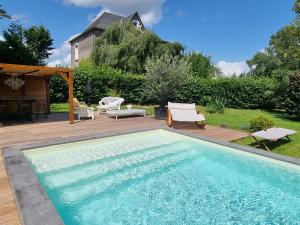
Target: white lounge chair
column 183, row 113
column 272, row 134
column 109, row 103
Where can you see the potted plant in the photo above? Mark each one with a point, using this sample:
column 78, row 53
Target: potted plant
column 164, row 77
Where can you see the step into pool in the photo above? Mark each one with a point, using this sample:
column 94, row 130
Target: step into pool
column 161, row 177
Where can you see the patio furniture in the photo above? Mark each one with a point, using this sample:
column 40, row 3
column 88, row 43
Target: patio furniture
column 272, row 134
column 3, row 112
column 41, row 109
column 125, row 113
column 109, row 103
column 78, row 103
column 183, row 113
column 84, row 112
column 25, row 112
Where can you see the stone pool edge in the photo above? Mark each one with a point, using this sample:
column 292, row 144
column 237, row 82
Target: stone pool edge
column 33, row 204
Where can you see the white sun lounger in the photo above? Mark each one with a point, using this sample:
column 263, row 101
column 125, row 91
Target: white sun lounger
column 125, row 113
column 272, row 134
column 183, row 113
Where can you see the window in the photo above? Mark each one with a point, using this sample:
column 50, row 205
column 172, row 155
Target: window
column 76, row 52
column 136, row 24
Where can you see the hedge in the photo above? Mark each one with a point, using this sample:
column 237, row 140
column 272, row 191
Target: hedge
column 103, row 81
column 236, row 92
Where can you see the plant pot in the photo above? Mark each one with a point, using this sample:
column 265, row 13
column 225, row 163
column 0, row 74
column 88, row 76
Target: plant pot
column 160, row 113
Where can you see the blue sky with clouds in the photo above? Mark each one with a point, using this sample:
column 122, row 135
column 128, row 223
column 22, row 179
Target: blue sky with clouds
column 230, row 31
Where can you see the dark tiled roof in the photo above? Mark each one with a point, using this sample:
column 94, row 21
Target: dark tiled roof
column 104, row 21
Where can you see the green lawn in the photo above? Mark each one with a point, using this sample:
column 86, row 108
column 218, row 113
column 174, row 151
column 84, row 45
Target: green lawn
column 238, row 119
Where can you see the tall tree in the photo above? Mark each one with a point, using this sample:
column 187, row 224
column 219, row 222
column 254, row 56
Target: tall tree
column 124, row 47
column 201, row 65
column 283, row 52
column 3, row 13
column 25, row 46
column 296, row 8
column 39, row 41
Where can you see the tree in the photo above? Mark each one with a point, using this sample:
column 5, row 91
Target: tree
column 264, row 63
column 283, row 52
column 3, row 13
column 296, row 8
column 39, row 41
column 165, row 76
column 201, row 65
column 292, row 98
column 125, row 47
column 25, row 46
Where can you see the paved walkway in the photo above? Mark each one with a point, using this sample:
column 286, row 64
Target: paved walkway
column 58, row 127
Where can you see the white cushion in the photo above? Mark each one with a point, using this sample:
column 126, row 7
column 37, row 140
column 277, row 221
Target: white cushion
column 184, row 112
column 181, row 106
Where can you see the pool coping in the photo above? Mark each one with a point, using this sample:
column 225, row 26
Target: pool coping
column 32, row 202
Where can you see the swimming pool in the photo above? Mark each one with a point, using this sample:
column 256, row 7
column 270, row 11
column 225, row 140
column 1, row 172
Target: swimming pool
column 160, row 177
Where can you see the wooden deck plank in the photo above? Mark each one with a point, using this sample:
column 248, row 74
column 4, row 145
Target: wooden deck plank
column 39, row 132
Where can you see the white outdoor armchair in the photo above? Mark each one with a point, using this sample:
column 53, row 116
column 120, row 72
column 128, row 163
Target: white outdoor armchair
column 84, row 112
column 110, row 103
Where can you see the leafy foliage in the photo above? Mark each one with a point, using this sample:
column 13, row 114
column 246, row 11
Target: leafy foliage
column 104, row 82
column 215, row 106
column 296, row 8
column 283, row 52
column 261, row 123
column 201, row 65
column 238, row 92
column 235, row 92
column 165, row 76
column 39, row 42
column 279, row 61
column 292, row 100
column 124, row 47
column 3, row 13
column 25, row 46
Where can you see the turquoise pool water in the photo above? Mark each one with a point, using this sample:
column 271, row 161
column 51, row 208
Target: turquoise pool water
column 159, row 177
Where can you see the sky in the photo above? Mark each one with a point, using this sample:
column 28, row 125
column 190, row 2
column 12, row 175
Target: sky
column 229, row 31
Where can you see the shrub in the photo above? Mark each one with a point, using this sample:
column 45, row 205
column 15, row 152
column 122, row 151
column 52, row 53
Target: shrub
column 261, row 123
column 215, row 106
column 58, row 89
column 165, row 76
column 292, row 97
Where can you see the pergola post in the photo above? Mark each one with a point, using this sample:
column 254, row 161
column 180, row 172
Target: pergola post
column 71, row 106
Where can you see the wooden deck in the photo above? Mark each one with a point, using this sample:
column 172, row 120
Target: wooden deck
column 58, row 127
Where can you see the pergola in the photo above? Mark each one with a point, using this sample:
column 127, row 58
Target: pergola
column 27, row 70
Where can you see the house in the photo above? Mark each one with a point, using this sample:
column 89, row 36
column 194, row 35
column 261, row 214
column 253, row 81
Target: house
column 82, row 45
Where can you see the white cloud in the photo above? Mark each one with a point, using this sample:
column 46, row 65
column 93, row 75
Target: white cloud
column 1, row 38
column 61, row 56
column 231, row 68
column 149, row 10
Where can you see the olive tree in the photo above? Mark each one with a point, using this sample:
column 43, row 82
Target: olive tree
column 165, row 75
